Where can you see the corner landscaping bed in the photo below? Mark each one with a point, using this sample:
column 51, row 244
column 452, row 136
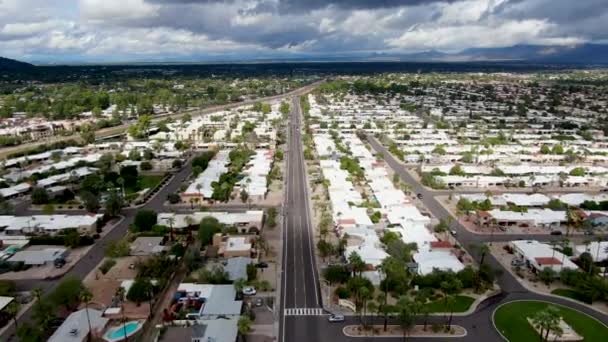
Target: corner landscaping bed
column 511, row 321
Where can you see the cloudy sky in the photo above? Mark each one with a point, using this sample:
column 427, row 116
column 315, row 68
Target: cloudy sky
column 140, row 30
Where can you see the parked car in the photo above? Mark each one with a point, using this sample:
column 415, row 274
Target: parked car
column 453, row 232
column 556, row 232
column 261, row 265
column 249, row 291
column 589, row 232
column 517, row 262
column 335, row 318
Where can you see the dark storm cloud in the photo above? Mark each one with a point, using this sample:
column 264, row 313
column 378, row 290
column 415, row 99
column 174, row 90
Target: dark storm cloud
column 295, row 6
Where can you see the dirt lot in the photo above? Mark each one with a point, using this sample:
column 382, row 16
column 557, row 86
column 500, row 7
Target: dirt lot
column 104, row 287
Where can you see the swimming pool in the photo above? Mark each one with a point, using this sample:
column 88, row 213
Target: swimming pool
column 118, row 333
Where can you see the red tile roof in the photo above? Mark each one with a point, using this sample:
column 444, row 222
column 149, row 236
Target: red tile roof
column 441, row 244
column 483, row 213
column 347, row 221
column 548, row 261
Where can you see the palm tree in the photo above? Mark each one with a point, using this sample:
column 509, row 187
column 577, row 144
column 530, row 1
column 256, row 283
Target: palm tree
column 171, row 221
column 547, row 320
column 85, row 297
column 190, row 222
column 372, row 307
column 364, row 295
column 573, row 220
column 121, row 293
column 405, row 315
column 450, row 302
column 421, row 298
column 357, row 265
column 564, row 243
column 198, row 188
column 262, row 245
column 121, row 182
column 239, row 284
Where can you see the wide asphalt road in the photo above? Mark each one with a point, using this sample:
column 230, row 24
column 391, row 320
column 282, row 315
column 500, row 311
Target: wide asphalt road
column 299, row 282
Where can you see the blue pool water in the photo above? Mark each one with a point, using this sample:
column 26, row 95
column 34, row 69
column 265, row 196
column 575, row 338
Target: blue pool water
column 118, row 333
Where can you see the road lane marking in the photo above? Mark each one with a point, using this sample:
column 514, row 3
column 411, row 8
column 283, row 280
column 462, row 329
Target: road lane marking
column 304, row 312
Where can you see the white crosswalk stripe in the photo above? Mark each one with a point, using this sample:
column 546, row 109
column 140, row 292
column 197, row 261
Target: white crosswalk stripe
column 304, row 312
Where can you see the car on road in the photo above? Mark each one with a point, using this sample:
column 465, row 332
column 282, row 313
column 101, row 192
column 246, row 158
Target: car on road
column 249, row 291
column 589, row 232
column 453, row 232
column 556, row 232
column 419, row 196
column 258, row 302
column 261, row 265
column 334, row 318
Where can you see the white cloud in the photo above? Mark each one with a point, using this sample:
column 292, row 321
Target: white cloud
column 182, row 28
column 110, row 10
column 501, row 34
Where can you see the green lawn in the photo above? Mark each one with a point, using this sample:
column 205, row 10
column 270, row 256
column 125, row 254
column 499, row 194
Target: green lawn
column 511, row 320
column 571, row 294
column 462, row 304
column 144, row 182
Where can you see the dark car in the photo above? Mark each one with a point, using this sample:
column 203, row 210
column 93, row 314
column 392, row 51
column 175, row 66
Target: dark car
column 261, row 265
column 419, row 196
column 556, row 232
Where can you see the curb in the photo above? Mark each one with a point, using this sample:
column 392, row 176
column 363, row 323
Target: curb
column 401, row 336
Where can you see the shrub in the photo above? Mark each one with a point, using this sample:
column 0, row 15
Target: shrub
column 173, row 198
column 342, row 292
column 107, row 265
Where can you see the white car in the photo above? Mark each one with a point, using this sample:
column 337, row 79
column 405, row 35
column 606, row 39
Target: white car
column 249, row 291
column 336, row 318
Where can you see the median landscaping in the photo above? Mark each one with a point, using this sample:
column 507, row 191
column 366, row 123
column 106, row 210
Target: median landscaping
column 461, row 304
column 511, row 320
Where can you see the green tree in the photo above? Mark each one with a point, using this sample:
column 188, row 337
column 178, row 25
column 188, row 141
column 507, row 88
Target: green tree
column 405, row 315
column 40, row 196
column 71, row 238
column 208, row 227
column 67, row 293
column 325, row 248
column 30, row 333
column 12, row 309
column 547, row 275
column 145, row 219
column 140, row 291
column 114, row 204
column 91, row 202
column 244, row 326
column 356, row 264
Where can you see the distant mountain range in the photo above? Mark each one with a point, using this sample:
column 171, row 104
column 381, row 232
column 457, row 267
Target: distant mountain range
column 12, row 65
column 582, row 54
column 578, row 54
